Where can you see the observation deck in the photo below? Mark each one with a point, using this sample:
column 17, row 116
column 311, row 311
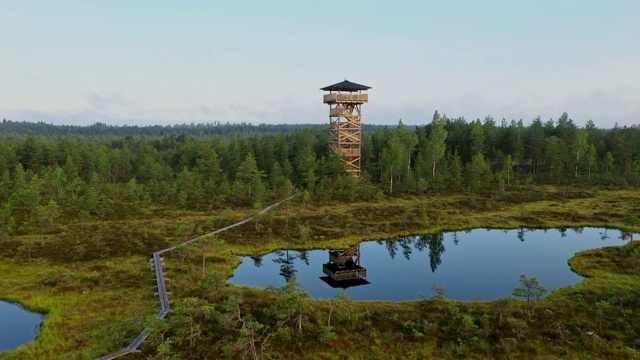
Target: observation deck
column 341, row 98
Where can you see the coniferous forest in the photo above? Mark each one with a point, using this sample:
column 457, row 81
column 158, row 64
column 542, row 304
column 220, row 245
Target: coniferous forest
column 83, row 207
column 91, row 169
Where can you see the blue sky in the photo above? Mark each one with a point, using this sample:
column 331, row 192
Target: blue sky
column 161, row 62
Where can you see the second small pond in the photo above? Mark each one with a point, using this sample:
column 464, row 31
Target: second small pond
column 18, row 326
column 481, row 264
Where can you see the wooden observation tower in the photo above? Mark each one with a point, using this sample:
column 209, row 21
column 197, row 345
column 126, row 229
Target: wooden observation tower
column 345, row 100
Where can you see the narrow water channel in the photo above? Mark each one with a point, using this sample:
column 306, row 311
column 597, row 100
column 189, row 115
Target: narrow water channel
column 18, row 326
column 480, row 264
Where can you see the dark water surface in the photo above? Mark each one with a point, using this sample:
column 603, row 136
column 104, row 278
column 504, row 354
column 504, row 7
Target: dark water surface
column 17, row 325
column 478, row 264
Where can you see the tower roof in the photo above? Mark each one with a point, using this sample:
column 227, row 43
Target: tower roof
column 346, row 86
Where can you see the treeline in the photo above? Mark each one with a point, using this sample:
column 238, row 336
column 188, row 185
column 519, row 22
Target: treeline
column 76, row 175
column 19, row 128
column 453, row 154
column 23, row 128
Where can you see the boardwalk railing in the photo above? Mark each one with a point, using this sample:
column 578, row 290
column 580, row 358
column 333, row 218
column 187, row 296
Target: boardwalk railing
column 165, row 306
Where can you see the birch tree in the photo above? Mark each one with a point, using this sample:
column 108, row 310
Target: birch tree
column 581, row 147
column 436, row 143
column 396, row 156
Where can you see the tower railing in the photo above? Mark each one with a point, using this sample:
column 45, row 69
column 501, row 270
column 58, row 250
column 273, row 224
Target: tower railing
column 345, row 98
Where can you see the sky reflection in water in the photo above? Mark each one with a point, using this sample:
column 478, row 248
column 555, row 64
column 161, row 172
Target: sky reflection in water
column 478, row 264
column 17, row 325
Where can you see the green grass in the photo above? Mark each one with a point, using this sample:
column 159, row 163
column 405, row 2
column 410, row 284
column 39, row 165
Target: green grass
column 84, row 308
column 97, row 296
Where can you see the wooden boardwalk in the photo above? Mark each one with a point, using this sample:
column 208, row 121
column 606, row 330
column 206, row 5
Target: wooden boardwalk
column 165, row 306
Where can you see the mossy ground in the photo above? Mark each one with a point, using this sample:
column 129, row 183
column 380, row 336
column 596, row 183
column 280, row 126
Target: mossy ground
column 94, row 281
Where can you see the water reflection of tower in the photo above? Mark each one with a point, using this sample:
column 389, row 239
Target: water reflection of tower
column 343, row 269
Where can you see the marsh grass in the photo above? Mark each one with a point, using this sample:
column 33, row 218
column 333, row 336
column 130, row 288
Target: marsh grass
column 93, row 279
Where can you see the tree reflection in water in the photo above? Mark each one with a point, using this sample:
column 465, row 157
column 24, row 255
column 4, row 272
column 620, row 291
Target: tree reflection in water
column 304, row 256
column 285, row 259
column 257, row 260
column 405, row 243
column 436, row 248
column 435, row 243
column 603, row 235
column 392, row 248
column 520, row 235
column 485, row 254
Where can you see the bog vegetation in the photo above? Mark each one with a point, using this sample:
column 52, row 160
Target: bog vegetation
column 82, row 209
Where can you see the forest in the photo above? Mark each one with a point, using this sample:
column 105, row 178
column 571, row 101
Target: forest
column 75, row 173
column 82, row 209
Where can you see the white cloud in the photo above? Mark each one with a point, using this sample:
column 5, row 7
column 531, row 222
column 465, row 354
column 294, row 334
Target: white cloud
column 604, row 106
column 106, row 103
